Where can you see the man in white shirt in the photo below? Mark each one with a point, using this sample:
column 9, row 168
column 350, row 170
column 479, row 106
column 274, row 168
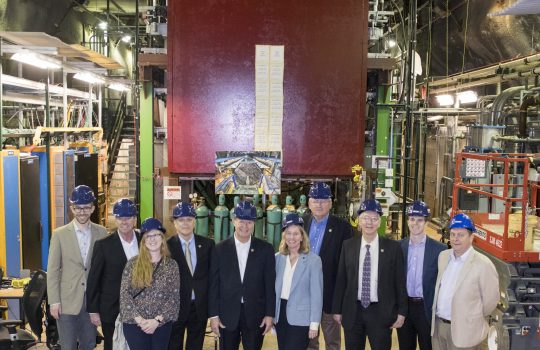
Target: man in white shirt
column 242, row 285
column 466, row 292
column 68, row 265
column 108, row 261
column 370, row 296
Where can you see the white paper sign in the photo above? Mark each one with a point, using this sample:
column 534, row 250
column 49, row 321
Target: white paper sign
column 172, row 192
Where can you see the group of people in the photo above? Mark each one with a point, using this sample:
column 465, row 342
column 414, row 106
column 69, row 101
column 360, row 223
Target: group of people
column 162, row 292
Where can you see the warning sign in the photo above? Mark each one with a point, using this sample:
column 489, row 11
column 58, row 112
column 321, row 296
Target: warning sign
column 172, row 192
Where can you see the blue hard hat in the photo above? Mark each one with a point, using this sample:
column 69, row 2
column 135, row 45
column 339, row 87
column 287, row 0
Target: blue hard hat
column 124, row 208
column 292, row 219
column 245, row 211
column 150, row 224
column 82, row 194
column 320, row 190
column 370, row 205
column 418, row 208
column 462, row 221
column 183, row 209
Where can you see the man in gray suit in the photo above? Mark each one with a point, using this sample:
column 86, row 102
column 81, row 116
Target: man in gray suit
column 69, row 262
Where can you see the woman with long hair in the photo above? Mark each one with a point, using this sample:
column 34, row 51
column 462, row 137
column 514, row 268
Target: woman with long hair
column 299, row 287
column 149, row 293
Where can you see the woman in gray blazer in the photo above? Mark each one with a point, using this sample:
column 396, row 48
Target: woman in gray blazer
column 299, row 287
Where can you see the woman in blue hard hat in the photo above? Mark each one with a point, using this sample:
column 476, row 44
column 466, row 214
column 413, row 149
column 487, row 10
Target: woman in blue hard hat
column 299, row 287
column 149, row 294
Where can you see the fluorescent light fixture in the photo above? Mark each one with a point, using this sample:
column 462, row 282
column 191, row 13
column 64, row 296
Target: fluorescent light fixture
column 119, row 87
column 36, row 60
column 89, row 78
column 468, row 96
column 126, row 38
column 102, row 25
column 445, row 100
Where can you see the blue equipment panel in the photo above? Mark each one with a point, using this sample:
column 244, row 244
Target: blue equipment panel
column 12, row 212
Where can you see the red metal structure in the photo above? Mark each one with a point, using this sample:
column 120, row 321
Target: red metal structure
column 494, row 234
column 211, row 81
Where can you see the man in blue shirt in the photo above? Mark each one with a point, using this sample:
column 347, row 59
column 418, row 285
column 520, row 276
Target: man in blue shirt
column 326, row 235
column 420, row 260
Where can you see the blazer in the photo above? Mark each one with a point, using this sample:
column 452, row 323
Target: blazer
column 337, row 231
column 305, row 298
column 257, row 289
column 103, row 289
column 66, row 272
column 198, row 282
column 429, row 270
column 391, row 287
column 476, row 297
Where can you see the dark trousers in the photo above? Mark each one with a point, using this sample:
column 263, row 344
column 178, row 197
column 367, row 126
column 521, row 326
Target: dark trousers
column 290, row 337
column 138, row 340
column 252, row 338
column 368, row 323
column 416, row 325
column 195, row 332
column 108, row 330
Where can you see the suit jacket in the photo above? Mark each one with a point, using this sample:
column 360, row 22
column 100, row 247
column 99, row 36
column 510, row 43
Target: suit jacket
column 66, row 272
column 429, row 270
column 199, row 281
column 476, row 297
column 337, row 231
column 391, row 287
column 257, row 288
column 305, row 298
column 103, row 290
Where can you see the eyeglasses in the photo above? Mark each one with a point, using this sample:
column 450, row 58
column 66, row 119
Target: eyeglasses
column 155, row 235
column 370, row 219
column 459, row 235
column 81, row 209
column 320, row 201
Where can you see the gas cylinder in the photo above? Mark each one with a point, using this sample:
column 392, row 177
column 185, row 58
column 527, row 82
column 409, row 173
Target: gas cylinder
column 303, row 208
column 232, row 216
column 273, row 222
column 288, row 208
column 259, row 224
column 201, row 223
column 221, row 220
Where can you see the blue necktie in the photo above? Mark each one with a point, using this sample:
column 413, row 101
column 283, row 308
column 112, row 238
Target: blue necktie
column 366, row 279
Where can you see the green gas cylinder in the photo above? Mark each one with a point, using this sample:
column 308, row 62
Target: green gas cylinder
column 259, row 224
column 273, row 223
column 303, row 208
column 221, row 220
column 288, row 208
column 201, row 223
column 232, row 216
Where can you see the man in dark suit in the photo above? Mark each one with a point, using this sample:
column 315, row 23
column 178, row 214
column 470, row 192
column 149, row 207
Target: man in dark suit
column 370, row 297
column 192, row 253
column 242, row 293
column 326, row 235
column 108, row 261
column 420, row 255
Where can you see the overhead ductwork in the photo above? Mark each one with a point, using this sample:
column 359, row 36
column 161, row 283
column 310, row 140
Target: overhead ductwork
column 520, row 7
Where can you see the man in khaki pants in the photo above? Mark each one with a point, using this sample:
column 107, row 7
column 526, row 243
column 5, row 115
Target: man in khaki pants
column 466, row 292
column 70, row 255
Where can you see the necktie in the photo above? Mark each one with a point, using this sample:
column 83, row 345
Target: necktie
column 188, row 258
column 366, row 279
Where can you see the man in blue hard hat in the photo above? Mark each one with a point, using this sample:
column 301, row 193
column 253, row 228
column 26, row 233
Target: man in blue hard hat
column 242, row 297
column 69, row 261
column 192, row 254
column 326, row 235
column 370, row 297
column 466, row 291
column 420, row 254
column 108, row 261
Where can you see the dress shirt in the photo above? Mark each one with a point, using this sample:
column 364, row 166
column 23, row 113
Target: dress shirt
column 84, row 234
column 242, row 252
column 131, row 249
column 374, row 252
column 448, row 284
column 316, row 233
column 415, row 268
column 287, row 278
column 193, row 252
